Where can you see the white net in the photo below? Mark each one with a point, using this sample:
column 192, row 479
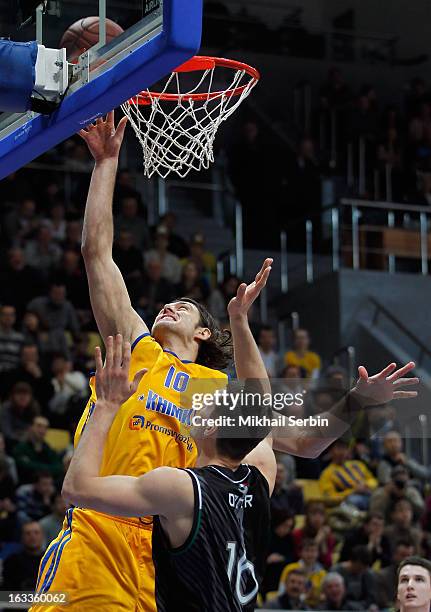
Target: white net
column 177, row 134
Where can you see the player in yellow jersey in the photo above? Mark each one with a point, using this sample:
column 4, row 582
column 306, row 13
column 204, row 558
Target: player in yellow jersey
column 103, row 562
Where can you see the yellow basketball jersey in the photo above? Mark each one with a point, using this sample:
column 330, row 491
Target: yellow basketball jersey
column 152, row 428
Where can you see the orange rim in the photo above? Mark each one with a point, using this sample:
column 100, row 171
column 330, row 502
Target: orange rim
column 196, row 64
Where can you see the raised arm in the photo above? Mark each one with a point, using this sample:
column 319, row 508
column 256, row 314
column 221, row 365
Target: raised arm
column 249, row 363
column 369, row 391
column 108, row 293
column 162, row 491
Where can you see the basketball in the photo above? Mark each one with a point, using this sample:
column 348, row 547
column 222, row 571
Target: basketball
column 84, row 34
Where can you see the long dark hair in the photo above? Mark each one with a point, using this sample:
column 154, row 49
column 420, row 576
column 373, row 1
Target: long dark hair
column 216, row 352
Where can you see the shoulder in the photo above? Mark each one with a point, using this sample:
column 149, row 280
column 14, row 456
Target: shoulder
column 174, row 488
column 327, row 471
column 145, row 347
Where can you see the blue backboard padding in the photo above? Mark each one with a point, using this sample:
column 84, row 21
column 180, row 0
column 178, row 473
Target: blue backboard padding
column 17, row 74
column 179, row 41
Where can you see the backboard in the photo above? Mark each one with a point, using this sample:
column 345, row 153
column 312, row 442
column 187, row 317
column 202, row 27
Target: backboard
column 159, row 36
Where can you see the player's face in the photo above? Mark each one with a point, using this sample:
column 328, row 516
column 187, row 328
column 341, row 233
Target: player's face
column 414, row 587
column 180, row 318
column 334, row 590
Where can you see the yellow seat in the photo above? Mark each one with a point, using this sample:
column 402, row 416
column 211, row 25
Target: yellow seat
column 271, row 595
column 94, row 340
column 58, row 439
column 299, row 521
column 311, row 490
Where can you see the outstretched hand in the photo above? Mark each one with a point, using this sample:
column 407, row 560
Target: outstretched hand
column 385, row 386
column 103, row 138
column 247, row 294
column 112, row 379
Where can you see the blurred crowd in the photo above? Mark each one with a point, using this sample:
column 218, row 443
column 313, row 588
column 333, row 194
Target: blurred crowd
column 396, row 140
column 398, row 134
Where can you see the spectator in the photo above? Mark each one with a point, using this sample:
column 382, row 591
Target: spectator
column 334, row 595
column 221, row 296
column 364, row 119
column 8, row 522
column 82, row 358
column 204, row 260
column 21, row 222
column 303, row 192
column 50, row 192
column 67, row 383
column 281, row 549
column 360, row 581
column 46, row 341
column 416, row 97
column 55, row 311
column 77, row 158
column 301, row 356
column 286, row 495
column 401, row 526
column 31, row 371
column 316, row 528
column 335, row 93
column 11, row 341
column 292, row 598
column 52, row 523
column 57, row 221
column 387, row 577
column 72, row 241
column 314, row 572
column 393, row 456
column 248, row 169
column 336, row 378
column 20, row 282
column 370, row 535
column 423, row 198
column 34, row 500
column 384, row 498
column 267, row 343
column 346, row 480
column 375, row 424
column 35, row 455
column 70, row 274
column 129, row 220
column 155, row 291
column 124, row 188
column 192, row 284
column 20, row 569
column 389, row 153
column 177, row 245
column 18, row 413
column 171, row 266
column 129, row 259
column 9, row 461
column 42, row 253
column 292, row 380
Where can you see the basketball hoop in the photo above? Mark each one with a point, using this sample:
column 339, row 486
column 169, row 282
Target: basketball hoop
column 178, row 125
